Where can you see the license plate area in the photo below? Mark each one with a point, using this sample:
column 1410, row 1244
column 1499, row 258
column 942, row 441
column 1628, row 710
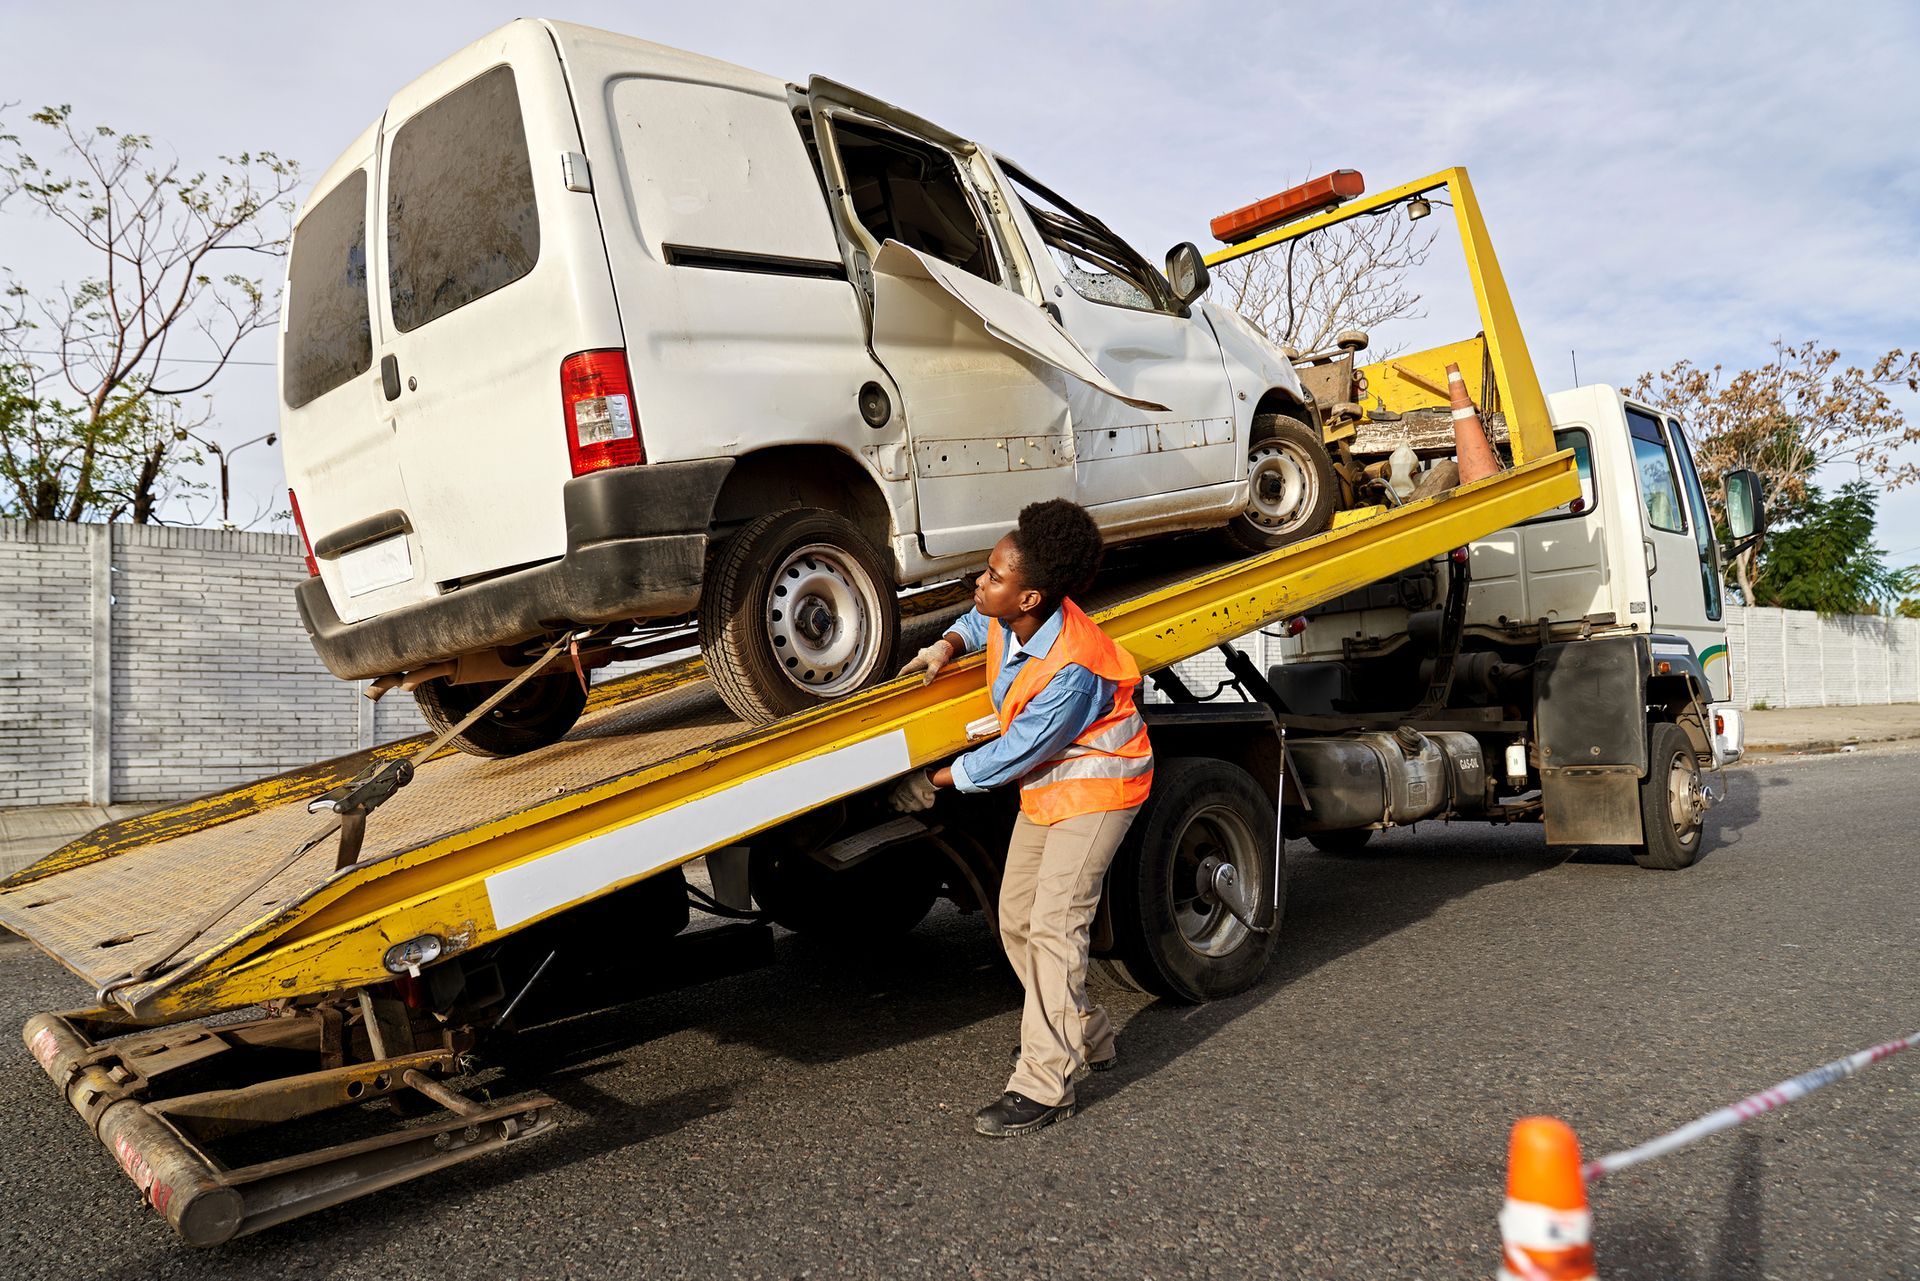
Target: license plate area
column 368, row 569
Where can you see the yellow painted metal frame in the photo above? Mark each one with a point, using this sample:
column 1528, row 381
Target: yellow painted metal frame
column 335, row 938
column 1529, row 429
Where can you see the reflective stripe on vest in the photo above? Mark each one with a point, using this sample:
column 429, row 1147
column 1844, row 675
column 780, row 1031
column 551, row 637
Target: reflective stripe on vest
column 1110, row 765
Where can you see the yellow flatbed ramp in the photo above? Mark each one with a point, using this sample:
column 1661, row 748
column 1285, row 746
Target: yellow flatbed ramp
column 474, row 849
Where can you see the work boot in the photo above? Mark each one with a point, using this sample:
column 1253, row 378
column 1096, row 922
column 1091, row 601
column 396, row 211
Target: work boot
column 1012, row 1114
column 1094, row 1065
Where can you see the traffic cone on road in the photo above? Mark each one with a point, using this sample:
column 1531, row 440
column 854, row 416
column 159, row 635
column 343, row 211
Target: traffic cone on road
column 1470, row 446
column 1546, row 1230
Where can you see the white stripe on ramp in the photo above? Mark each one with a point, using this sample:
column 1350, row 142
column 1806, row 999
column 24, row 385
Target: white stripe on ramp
column 599, row 862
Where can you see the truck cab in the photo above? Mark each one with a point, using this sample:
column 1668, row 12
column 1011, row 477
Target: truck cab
column 1583, row 631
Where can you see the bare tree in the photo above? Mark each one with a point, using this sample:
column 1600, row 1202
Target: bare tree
column 1350, row 276
column 1799, row 412
column 95, row 424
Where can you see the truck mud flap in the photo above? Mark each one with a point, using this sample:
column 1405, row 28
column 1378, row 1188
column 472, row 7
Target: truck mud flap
column 1590, row 719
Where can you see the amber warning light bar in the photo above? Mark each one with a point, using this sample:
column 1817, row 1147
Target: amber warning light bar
column 1310, row 196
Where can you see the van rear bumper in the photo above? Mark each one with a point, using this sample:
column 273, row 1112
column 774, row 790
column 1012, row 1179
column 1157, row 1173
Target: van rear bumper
column 636, row 547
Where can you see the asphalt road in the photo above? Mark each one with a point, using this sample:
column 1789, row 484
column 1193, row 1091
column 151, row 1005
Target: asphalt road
column 1345, row 1119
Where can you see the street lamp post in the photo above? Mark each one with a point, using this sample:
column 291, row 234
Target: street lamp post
column 224, row 454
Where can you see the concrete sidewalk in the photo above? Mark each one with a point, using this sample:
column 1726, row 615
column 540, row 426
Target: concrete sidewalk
column 30, row 833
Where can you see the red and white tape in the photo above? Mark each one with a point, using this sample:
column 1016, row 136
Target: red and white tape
column 1747, row 1109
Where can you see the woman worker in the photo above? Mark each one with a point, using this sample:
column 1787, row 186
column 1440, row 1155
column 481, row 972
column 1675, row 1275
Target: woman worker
column 1063, row 693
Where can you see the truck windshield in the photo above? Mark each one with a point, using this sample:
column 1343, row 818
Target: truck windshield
column 1702, row 520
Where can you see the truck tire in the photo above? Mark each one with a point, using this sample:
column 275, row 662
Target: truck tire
column 1671, row 820
column 798, row 609
column 1344, row 843
column 538, row 713
column 1172, row 938
column 1291, row 486
column 882, row 898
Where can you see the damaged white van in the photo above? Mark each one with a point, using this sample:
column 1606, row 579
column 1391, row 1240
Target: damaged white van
column 588, row 334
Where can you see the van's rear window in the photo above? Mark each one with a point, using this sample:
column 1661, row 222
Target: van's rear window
column 329, row 328
column 461, row 221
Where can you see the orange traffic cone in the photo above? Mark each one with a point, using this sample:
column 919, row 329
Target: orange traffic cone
column 1476, row 456
column 1546, row 1230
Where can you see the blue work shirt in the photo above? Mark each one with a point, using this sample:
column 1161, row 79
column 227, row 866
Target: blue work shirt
column 1074, row 699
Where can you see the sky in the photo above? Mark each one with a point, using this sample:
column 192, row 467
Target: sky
column 1661, row 181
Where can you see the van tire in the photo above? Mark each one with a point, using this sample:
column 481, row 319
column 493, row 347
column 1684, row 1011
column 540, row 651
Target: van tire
column 1285, row 455
column 538, row 713
column 1197, row 803
column 760, row 651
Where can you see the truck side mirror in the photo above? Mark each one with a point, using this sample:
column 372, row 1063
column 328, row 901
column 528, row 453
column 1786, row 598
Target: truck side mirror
column 1187, row 272
column 1746, row 510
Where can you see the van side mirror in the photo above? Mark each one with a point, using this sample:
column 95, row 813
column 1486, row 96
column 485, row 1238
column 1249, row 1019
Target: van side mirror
column 1187, row 271
column 1746, row 510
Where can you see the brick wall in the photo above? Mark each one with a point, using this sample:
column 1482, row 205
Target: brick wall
column 212, row 680
column 46, row 661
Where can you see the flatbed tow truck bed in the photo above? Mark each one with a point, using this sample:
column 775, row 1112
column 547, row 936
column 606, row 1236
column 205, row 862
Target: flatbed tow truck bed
column 472, row 851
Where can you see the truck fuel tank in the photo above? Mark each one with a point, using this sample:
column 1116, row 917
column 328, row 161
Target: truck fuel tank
column 1387, row 778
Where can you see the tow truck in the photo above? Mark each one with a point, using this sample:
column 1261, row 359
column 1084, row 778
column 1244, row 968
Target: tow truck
column 354, row 932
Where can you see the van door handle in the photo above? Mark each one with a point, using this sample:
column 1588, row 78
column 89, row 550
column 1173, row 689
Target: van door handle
column 390, row 376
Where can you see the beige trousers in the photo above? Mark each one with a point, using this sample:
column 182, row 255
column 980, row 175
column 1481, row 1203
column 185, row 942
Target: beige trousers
column 1047, row 901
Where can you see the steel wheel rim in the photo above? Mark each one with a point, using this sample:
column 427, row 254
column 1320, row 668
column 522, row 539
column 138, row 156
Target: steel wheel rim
column 1206, row 927
column 1279, row 487
column 1683, row 803
column 822, row 615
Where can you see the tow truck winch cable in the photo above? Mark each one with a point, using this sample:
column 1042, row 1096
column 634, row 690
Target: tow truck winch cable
column 349, row 803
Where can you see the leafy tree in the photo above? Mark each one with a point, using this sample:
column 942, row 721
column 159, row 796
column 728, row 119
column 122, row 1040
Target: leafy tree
column 1826, row 560
column 1798, row 412
column 92, row 421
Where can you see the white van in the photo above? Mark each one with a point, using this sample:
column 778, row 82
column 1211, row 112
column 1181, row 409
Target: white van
column 589, row 333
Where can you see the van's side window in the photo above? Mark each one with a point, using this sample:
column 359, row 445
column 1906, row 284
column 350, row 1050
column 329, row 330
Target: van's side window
column 329, row 322
column 1658, row 489
column 461, row 220
column 908, row 190
column 1099, row 265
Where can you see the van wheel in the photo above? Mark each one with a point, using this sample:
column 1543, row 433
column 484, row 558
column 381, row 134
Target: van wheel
column 538, row 713
column 1291, row 486
column 1172, row 936
column 797, row 610
column 1671, row 816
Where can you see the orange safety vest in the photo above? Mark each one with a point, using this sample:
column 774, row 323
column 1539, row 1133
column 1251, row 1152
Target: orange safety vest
column 1110, row 766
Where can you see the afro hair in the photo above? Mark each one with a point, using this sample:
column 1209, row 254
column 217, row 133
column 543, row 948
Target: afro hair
column 1059, row 548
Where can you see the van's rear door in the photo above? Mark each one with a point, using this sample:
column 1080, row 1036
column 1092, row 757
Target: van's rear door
column 490, row 272
column 341, row 460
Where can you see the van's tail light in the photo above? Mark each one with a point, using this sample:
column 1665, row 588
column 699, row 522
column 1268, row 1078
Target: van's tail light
column 596, row 397
column 313, row 566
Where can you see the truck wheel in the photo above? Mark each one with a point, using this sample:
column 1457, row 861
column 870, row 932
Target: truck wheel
column 1671, row 817
column 883, row 897
column 797, row 610
column 1172, row 936
column 1345, row 843
column 538, row 713
column 1291, row 486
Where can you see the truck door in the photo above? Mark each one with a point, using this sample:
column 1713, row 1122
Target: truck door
column 1682, row 574
column 1123, row 314
column 984, row 374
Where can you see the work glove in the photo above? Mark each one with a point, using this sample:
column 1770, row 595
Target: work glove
column 929, row 660
column 913, row 793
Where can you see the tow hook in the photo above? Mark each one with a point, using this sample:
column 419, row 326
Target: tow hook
column 1223, row 883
